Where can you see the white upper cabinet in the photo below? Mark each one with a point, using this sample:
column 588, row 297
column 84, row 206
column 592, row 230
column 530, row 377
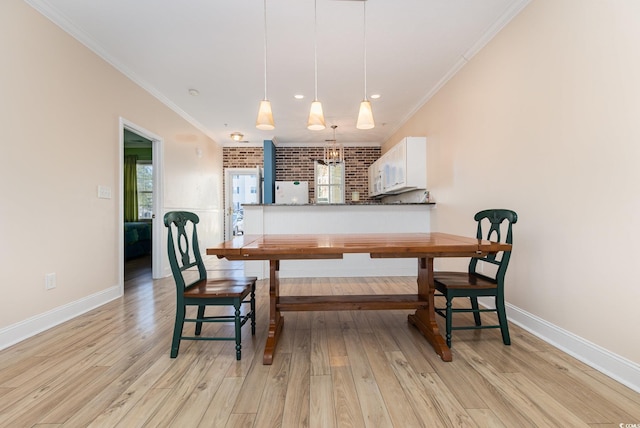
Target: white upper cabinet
column 402, row 168
column 375, row 179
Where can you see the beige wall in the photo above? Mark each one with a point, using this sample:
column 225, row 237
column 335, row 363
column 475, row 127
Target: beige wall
column 60, row 106
column 544, row 120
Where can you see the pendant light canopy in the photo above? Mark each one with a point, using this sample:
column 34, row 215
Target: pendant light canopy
column 365, row 115
column 316, row 116
column 265, row 116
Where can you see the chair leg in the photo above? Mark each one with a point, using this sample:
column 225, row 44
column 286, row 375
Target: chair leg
column 237, row 304
column 177, row 331
column 502, row 318
column 200, row 316
column 253, row 309
column 475, row 307
column 449, row 315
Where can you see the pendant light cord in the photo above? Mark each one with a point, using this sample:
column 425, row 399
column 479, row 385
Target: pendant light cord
column 364, row 43
column 265, row 49
column 315, row 45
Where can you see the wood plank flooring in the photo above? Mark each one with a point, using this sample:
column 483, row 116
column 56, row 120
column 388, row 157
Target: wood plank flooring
column 111, row 368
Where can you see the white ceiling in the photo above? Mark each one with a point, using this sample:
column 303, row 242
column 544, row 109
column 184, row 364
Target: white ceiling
column 216, row 47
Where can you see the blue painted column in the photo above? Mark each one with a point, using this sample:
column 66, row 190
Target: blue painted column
column 269, row 172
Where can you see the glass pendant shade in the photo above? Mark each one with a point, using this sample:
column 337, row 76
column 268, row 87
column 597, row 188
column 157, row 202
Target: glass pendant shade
column 365, row 116
column 265, row 117
column 316, row 117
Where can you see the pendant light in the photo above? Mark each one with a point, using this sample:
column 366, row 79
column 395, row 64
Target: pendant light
column 333, row 151
column 365, row 115
column 265, row 116
column 316, row 117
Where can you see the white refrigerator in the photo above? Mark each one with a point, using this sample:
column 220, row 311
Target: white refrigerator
column 292, row 192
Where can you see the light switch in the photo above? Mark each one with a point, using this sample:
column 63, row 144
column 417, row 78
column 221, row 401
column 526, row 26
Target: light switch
column 104, row 192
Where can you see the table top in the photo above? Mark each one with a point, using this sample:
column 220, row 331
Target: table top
column 264, row 247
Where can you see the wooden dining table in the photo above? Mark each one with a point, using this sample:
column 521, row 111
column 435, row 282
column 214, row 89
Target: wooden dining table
column 424, row 247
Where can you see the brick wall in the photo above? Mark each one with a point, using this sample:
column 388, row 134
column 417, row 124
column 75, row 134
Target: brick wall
column 242, row 157
column 296, row 163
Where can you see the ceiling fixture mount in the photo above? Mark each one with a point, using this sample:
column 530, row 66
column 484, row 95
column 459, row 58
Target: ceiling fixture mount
column 265, row 116
column 333, row 152
column 194, row 92
column 236, row 136
column 316, row 116
column 365, row 115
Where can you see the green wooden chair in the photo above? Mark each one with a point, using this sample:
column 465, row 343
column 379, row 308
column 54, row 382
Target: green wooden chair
column 195, row 289
column 476, row 282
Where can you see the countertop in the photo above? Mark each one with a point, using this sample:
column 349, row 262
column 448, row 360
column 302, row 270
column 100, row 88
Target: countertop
column 349, row 204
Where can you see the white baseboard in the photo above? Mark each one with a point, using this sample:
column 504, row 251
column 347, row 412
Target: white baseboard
column 622, row 370
column 30, row 327
column 616, row 367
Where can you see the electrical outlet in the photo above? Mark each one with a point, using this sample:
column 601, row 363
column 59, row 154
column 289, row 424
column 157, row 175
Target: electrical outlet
column 50, row 281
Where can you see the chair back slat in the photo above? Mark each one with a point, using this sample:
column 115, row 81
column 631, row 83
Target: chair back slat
column 184, row 253
column 498, row 220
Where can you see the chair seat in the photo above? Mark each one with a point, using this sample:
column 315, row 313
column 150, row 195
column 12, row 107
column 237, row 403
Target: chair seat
column 219, row 288
column 461, row 280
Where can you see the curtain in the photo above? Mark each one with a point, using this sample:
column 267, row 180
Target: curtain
column 130, row 188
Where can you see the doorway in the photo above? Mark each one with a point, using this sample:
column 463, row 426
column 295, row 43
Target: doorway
column 140, row 237
column 242, row 186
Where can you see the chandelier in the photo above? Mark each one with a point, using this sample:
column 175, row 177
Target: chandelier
column 333, row 151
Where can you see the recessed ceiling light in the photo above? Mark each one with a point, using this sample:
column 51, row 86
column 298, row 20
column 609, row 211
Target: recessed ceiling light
column 194, row 92
column 298, row 96
column 375, row 96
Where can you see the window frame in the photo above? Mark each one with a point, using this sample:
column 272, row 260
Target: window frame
column 331, row 186
column 146, row 192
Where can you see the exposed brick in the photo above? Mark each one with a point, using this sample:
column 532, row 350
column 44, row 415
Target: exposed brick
column 296, row 163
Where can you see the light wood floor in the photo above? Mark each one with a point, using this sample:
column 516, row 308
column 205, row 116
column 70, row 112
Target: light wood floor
column 111, row 368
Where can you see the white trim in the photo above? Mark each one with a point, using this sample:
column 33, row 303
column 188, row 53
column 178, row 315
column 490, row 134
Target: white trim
column 301, row 144
column 322, row 144
column 61, row 21
column 511, row 12
column 500, row 23
column 22, row 330
column 157, row 159
column 616, row 367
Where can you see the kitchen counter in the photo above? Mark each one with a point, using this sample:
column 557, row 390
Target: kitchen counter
column 361, row 217
column 350, row 204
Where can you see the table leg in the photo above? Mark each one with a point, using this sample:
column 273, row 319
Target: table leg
column 275, row 319
column 425, row 319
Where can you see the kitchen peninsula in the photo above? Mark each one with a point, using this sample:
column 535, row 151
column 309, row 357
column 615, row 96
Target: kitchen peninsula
column 337, row 219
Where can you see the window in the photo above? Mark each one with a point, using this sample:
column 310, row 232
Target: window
column 144, row 172
column 329, row 183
